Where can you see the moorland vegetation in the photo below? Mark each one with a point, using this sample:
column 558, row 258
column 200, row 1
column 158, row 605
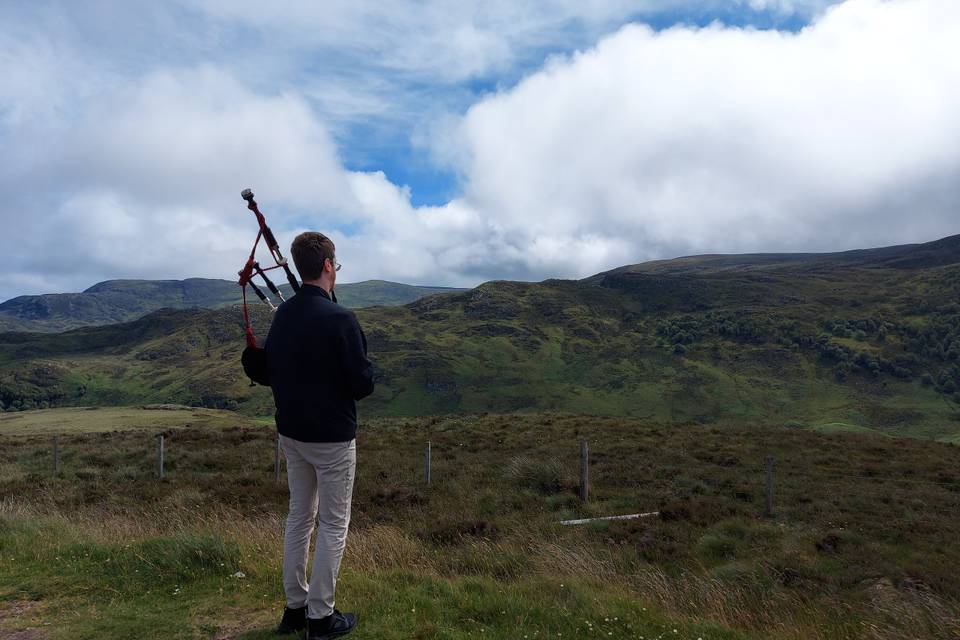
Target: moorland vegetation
column 862, row 543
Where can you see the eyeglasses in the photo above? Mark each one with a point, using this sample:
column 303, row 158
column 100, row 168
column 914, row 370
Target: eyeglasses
column 336, row 265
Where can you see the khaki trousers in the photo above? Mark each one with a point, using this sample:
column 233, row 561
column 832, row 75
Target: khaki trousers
column 320, row 476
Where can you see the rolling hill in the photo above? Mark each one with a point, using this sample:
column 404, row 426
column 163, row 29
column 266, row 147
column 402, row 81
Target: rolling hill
column 870, row 339
column 115, row 301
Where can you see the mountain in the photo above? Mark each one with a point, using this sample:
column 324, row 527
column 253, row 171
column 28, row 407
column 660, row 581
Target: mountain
column 376, row 293
column 910, row 256
column 114, row 301
column 123, row 300
column 864, row 340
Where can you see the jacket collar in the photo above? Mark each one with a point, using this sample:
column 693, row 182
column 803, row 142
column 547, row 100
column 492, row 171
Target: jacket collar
column 313, row 290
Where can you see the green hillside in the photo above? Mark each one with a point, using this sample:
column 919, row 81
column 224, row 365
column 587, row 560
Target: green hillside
column 124, row 300
column 869, row 339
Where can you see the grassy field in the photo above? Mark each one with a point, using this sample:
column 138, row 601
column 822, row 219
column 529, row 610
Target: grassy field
column 864, row 542
column 75, row 420
column 843, row 427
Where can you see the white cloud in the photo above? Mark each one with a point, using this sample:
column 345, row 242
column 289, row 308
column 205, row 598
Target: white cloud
column 647, row 145
column 146, row 181
column 723, row 139
column 186, row 136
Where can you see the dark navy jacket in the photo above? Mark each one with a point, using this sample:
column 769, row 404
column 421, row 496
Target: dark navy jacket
column 318, row 367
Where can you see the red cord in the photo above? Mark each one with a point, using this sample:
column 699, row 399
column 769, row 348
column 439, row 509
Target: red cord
column 251, row 341
column 245, row 275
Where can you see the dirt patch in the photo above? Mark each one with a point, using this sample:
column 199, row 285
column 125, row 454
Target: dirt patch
column 22, row 634
column 397, row 496
column 448, row 532
column 242, row 624
column 19, row 620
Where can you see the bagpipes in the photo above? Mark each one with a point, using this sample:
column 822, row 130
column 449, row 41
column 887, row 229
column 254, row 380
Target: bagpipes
column 254, row 358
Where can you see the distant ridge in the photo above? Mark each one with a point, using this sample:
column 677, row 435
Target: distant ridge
column 114, row 301
column 697, row 283
column 908, row 256
column 664, row 284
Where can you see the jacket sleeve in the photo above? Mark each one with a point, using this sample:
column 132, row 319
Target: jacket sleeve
column 357, row 368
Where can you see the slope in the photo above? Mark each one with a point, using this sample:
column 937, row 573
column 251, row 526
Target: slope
column 874, row 343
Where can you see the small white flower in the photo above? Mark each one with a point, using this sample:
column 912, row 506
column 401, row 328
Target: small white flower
column 239, row 575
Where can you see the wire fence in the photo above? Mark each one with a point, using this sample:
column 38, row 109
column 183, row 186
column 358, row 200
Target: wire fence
column 774, row 483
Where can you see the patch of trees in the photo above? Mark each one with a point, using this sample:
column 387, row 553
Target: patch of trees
column 36, row 387
column 734, row 326
column 22, row 399
column 859, row 329
column 935, row 342
column 932, row 344
column 847, row 360
column 938, row 339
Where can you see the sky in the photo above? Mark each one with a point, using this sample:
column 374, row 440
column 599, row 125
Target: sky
column 452, row 143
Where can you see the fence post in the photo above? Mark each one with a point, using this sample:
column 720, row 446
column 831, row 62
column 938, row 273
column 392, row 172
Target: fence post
column 426, row 464
column 56, row 455
column 768, row 511
column 276, row 461
column 160, row 456
column 584, row 471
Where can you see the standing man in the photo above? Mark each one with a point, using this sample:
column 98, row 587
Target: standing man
column 318, row 368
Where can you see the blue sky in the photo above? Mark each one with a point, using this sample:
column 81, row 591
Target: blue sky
column 443, row 143
column 366, row 146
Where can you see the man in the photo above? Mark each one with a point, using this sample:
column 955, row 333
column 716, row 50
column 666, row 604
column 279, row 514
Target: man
column 317, row 365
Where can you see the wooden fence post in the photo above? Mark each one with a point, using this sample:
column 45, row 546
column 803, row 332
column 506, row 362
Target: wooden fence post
column 56, row 455
column 426, row 464
column 160, row 456
column 584, row 471
column 768, row 510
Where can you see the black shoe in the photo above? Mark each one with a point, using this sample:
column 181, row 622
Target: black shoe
column 333, row 626
column 293, row 621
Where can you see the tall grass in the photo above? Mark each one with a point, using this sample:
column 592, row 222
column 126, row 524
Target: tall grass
column 864, row 543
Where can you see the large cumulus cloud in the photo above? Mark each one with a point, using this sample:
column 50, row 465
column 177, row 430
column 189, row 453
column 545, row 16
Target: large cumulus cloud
column 719, row 139
column 648, row 144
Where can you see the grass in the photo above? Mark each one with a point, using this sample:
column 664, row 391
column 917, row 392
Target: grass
column 187, row 585
column 76, row 420
column 863, row 543
column 843, row 427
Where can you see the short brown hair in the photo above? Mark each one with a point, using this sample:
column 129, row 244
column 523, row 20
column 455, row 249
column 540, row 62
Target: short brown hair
column 309, row 250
